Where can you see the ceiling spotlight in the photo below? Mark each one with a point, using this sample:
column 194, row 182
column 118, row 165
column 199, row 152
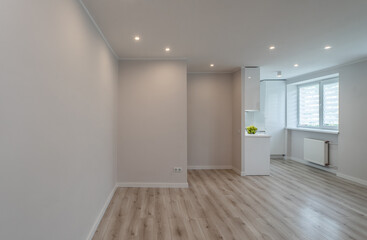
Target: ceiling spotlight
column 327, row 47
column 137, row 38
column 212, row 65
column 249, row 77
column 167, row 49
column 272, row 47
column 296, row 65
column 279, row 74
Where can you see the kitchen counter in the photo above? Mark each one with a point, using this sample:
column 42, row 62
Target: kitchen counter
column 257, row 154
column 257, row 135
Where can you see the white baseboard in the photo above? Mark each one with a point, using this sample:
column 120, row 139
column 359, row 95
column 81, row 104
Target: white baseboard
column 101, row 213
column 354, row 179
column 152, row 185
column 331, row 170
column 209, row 167
column 238, row 172
column 338, row 174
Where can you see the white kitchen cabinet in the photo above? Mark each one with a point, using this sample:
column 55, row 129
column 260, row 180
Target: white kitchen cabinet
column 251, row 88
column 257, row 155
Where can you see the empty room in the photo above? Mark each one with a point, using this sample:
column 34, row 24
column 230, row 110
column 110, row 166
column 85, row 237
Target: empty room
column 183, row 119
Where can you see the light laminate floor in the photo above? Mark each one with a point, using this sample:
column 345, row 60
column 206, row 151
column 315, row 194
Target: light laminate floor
column 295, row 202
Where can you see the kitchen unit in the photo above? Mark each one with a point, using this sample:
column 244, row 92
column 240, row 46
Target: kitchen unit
column 255, row 151
column 256, row 159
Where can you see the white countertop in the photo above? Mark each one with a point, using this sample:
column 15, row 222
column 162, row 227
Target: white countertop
column 257, row 135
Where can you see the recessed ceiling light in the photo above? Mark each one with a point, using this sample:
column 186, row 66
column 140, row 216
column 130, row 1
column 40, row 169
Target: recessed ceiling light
column 272, row 47
column 296, row 65
column 212, row 65
column 137, row 38
column 167, row 49
column 279, row 74
column 249, row 77
column 327, row 47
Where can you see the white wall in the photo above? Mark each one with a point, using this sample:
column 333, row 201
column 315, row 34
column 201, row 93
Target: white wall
column 209, row 120
column 152, row 122
column 57, row 104
column 236, row 120
column 352, row 152
column 295, row 145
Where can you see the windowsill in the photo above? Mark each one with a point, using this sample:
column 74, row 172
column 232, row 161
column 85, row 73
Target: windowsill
column 314, row 130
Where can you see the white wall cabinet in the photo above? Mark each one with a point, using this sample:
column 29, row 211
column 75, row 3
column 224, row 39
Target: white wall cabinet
column 251, row 88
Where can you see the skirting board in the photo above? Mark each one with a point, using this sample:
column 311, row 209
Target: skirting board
column 353, row 179
column 238, row 172
column 331, row 170
column 152, row 185
column 341, row 175
column 209, row 167
column 101, row 213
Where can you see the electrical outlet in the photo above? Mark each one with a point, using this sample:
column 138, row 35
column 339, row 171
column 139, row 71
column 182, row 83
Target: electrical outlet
column 177, row 169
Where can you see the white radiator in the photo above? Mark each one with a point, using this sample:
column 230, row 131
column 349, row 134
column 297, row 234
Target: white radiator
column 316, row 151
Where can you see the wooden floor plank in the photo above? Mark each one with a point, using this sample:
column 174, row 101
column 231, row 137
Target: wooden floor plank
column 295, row 202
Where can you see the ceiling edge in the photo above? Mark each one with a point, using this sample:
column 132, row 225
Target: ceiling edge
column 209, row 72
column 153, row 59
column 98, row 29
column 357, row 60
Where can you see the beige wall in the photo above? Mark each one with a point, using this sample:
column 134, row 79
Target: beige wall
column 236, row 120
column 152, row 121
column 57, row 105
column 209, row 120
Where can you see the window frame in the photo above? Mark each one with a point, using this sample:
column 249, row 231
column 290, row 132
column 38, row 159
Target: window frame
column 321, row 84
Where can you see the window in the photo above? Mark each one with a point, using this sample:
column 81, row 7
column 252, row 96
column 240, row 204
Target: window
column 331, row 104
column 318, row 104
column 309, row 102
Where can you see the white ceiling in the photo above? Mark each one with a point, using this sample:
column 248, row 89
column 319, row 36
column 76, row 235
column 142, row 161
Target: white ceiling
column 235, row 33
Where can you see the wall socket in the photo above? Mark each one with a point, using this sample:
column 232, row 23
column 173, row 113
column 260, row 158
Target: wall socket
column 177, row 169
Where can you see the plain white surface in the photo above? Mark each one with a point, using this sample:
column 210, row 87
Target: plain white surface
column 316, row 151
column 352, row 114
column 251, row 79
column 257, row 135
column 152, row 121
column 257, row 155
column 235, row 33
column 209, row 113
column 57, row 108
